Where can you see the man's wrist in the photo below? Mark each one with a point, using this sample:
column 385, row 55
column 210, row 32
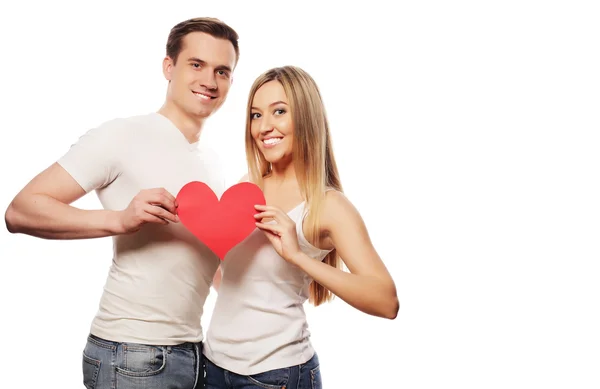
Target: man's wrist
column 112, row 223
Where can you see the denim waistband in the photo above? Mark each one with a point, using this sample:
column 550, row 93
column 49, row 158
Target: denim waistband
column 185, row 345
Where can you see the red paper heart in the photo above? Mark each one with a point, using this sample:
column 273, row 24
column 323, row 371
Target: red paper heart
column 220, row 225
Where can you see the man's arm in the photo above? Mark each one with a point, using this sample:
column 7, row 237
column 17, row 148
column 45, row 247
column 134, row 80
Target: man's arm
column 42, row 209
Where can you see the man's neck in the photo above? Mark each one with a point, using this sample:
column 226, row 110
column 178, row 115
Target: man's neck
column 190, row 127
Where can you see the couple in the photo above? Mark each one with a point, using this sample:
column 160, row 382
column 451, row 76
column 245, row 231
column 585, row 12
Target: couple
column 147, row 331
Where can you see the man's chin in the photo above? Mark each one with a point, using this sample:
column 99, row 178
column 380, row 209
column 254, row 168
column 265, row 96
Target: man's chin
column 201, row 114
column 205, row 112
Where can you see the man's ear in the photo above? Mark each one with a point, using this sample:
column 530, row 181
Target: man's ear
column 167, row 67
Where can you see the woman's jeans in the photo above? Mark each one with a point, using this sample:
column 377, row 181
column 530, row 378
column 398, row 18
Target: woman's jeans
column 304, row 376
column 111, row 365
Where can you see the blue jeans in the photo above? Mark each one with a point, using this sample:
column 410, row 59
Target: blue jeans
column 111, row 365
column 304, row 376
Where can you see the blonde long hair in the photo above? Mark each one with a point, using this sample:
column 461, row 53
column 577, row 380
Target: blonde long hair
column 314, row 162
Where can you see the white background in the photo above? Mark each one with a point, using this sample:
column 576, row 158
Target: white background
column 466, row 134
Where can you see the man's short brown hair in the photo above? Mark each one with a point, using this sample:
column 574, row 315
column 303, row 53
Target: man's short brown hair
column 212, row 26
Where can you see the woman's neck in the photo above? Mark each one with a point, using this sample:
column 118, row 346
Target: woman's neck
column 282, row 173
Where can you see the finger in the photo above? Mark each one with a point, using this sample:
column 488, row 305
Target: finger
column 161, row 191
column 265, row 214
column 273, row 228
column 282, row 220
column 161, row 212
column 280, row 214
column 276, row 214
column 271, row 237
column 169, row 196
column 162, row 201
column 149, row 218
column 261, row 207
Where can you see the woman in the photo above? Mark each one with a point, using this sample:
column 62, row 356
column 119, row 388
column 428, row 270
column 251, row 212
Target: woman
column 258, row 335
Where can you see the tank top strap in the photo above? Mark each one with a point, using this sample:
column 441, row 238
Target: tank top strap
column 305, row 245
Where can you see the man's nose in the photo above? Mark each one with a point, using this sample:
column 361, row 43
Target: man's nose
column 208, row 79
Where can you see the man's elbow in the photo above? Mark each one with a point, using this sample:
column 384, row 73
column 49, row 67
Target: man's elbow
column 11, row 219
column 392, row 303
column 393, row 308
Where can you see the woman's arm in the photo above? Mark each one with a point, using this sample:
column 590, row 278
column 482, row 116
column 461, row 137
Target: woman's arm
column 369, row 286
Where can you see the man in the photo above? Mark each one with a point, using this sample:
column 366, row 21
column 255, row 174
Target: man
column 147, row 331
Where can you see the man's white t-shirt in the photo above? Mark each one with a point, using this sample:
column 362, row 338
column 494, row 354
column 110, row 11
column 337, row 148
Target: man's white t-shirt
column 161, row 275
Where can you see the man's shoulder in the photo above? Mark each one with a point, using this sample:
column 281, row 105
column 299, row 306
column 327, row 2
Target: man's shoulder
column 124, row 126
column 131, row 121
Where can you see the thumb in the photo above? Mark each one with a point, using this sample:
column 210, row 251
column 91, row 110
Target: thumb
column 271, row 236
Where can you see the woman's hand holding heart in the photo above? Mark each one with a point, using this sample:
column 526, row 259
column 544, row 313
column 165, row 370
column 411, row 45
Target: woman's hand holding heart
column 281, row 234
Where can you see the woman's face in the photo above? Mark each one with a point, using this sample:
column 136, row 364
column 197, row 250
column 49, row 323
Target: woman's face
column 271, row 123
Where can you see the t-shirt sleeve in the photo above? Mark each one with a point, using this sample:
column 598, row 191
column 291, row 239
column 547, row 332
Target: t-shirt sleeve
column 93, row 161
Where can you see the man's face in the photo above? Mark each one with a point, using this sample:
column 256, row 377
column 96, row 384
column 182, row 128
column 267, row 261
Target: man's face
column 200, row 80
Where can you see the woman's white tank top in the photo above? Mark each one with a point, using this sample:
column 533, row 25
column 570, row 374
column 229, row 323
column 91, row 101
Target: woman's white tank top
column 258, row 323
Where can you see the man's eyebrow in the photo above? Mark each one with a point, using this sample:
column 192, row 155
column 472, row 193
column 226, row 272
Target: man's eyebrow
column 194, row 59
column 202, row 62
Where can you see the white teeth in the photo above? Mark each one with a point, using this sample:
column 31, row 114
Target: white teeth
column 272, row 141
column 204, row 97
